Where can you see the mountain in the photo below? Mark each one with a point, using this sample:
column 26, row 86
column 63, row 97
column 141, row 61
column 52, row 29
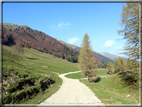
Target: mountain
column 40, row 41
column 96, row 54
column 111, row 56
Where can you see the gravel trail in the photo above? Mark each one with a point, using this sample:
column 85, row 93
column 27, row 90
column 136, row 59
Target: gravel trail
column 72, row 92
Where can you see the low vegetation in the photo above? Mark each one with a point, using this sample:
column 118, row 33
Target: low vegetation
column 30, row 78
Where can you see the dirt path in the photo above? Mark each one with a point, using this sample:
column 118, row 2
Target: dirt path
column 72, row 92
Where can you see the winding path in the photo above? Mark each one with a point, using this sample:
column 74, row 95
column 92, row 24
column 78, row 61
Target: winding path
column 72, row 92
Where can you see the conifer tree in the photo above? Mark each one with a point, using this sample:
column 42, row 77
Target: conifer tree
column 120, row 65
column 18, row 47
column 87, row 62
column 130, row 31
column 110, row 68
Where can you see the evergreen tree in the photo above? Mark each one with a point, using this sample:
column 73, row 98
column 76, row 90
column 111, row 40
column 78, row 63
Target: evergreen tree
column 18, row 47
column 72, row 59
column 120, row 65
column 87, row 62
column 63, row 57
column 68, row 59
column 75, row 60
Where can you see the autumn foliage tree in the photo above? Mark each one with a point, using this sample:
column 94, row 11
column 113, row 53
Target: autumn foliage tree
column 87, row 62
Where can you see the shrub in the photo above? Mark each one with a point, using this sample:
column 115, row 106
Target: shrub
column 7, row 99
column 131, row 77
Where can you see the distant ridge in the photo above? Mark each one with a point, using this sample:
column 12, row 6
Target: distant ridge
column 111, row 56
column 69, row 45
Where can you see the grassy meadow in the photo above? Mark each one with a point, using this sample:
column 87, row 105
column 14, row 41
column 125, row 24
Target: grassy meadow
column 32, row 75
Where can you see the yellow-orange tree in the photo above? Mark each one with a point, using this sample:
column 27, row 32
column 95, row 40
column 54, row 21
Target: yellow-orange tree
column 87, row 62
column 130, row 31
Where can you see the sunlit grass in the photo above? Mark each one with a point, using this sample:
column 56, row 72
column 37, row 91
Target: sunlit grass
column 37, row 64
column 111, row 90
column 100, row 72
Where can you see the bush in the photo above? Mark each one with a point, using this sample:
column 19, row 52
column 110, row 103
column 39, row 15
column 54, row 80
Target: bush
column 7, row 99
column 94, row 79
column 131, row 77
column 110, row 72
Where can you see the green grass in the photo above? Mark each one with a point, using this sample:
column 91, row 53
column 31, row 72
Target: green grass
column 75, row 76
column 100, row 72
column 112, row 90
column 31, row 63
column 38, row 59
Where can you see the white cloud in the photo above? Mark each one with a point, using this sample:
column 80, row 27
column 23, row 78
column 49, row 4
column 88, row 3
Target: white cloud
column 108, row 43
column 60, row 25
column 72, row 40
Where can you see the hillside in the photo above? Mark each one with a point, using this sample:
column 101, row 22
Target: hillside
column 113, row 90
column 31, row 77
column 42, row 42
column 37, row 40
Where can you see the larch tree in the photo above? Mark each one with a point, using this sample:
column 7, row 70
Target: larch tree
column 131, row 17
column 120, row 65
column 110, row 68
column 87, row 62
column 130, row 31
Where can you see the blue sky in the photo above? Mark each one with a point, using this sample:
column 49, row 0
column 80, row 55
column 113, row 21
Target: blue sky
column 70, row 21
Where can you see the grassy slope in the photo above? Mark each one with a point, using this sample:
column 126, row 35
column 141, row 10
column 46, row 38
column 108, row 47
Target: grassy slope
column 33, row 67
column 110, row 90
column 11, row 26
column 38, row 59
